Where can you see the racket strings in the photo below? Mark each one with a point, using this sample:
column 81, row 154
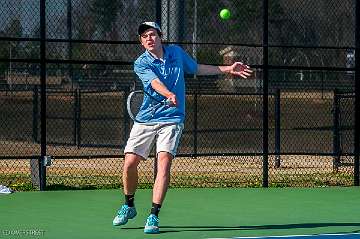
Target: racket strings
column 135, row 104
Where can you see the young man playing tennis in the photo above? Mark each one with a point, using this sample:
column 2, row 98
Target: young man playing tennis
column 161, row 70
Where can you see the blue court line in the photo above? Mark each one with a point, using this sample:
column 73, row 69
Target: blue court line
column 319, row 236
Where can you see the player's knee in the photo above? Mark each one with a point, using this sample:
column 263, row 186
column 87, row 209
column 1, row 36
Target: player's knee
column 165, row 156
column 131, row 161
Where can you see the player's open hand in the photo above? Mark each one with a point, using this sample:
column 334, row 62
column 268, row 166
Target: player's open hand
column 240, row 69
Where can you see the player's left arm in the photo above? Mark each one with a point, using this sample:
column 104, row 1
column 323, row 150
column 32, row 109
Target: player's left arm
column 238, row 68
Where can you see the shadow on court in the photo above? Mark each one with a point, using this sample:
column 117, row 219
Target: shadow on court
column 169, row 229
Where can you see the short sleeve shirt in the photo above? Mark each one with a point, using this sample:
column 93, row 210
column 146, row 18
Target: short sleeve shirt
column 170, row 71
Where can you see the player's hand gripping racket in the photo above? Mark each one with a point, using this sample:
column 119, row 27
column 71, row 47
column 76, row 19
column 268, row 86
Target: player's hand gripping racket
column 134, row 103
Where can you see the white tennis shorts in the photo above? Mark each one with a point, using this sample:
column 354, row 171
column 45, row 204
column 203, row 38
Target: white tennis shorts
column 142, row 138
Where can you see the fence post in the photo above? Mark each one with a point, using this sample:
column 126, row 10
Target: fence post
column 69, row 36
column 78, row 117
column 75, row 117
column 158, row 14
column 357, row 96
column 277, row 129
column 195, row 132
column 336, row 131
column 172, row 27
column 265, row 153
column 35, row 104
column 34, row 162
column 43, row 142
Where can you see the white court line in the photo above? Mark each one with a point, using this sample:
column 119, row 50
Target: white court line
column 292, row 236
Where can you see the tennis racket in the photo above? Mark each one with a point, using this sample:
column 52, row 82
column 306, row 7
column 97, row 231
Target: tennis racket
column 135, row 101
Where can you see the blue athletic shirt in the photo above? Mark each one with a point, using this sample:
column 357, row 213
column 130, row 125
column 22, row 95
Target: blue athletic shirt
column 171, row 72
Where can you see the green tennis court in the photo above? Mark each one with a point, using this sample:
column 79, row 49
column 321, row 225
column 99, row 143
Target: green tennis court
column 187, row 213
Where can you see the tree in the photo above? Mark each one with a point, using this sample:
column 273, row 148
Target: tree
column 105, row 13
column 14, row 29
column 11, row 48
column 3, row 54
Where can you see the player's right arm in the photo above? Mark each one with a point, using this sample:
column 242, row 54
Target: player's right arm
column 149, row 79
column 160, row 88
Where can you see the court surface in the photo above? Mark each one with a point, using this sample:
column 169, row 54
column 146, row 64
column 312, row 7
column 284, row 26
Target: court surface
column 316, row 236
column 187, row 213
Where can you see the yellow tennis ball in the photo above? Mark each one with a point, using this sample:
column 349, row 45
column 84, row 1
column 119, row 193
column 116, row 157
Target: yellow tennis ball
column 225, row 14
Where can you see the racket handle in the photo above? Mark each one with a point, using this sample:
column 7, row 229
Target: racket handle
column 168, row 102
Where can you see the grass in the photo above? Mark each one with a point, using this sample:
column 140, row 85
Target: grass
column 22, row 182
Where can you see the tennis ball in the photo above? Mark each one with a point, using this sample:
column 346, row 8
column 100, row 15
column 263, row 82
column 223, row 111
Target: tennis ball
column 225, row 14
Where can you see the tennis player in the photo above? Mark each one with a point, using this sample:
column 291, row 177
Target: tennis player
column 161, row 70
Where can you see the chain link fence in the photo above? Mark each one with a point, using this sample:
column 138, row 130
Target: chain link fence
column 90, row 46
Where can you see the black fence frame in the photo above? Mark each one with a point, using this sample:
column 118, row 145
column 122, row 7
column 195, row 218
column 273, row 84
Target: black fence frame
column 43, row 61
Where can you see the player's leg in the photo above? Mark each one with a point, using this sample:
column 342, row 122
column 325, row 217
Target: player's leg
column 137, row 148
column 161, row 184
column 130, row 181
column 130, row 173
column 162, row 180
column 167, row 143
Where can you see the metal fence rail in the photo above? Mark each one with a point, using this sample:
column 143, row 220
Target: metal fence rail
column 66, row 69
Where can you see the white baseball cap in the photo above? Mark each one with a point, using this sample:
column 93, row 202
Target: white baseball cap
column 146, row 25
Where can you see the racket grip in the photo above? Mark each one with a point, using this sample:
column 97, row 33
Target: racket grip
column 168, row 102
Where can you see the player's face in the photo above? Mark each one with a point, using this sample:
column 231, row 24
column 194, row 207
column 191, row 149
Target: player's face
column 151, row 40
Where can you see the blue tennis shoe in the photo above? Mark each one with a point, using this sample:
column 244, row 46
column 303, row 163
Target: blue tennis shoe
column 152, row 225
column 124, row 214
